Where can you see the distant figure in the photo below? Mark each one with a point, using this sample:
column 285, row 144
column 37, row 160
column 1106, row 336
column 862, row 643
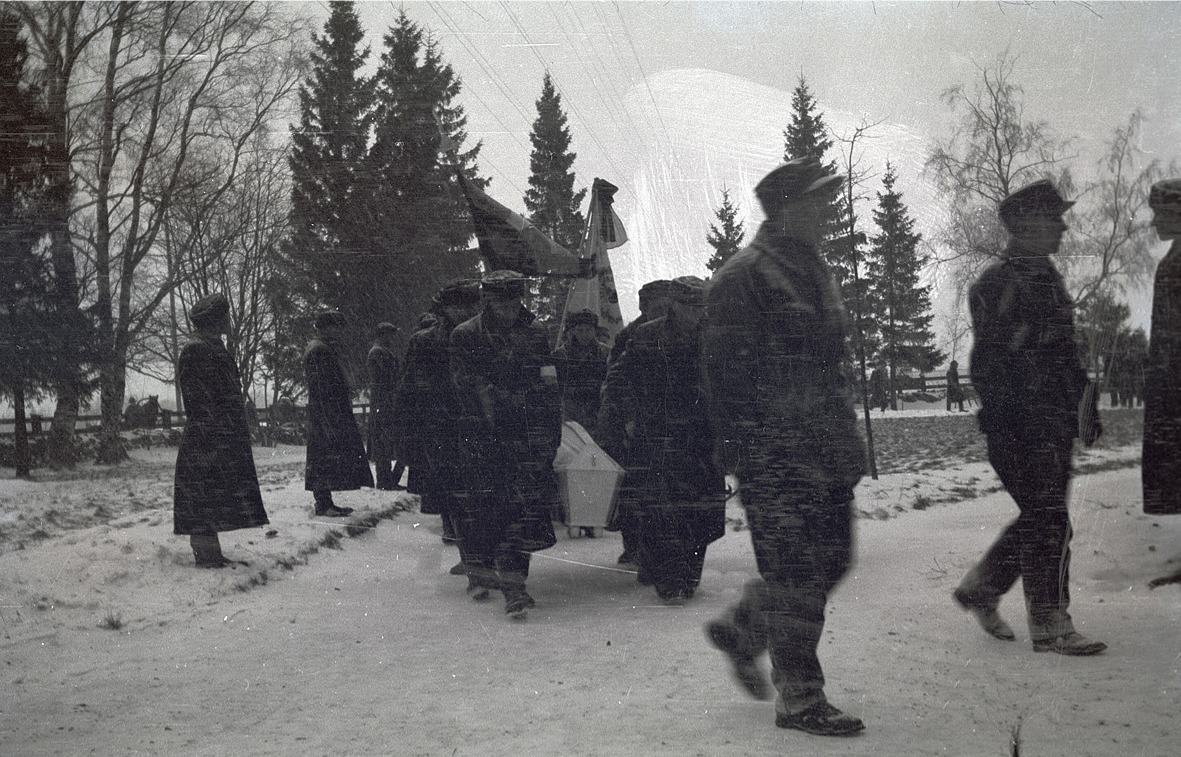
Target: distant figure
column 581, row 361
column 384, row 373
column 1162, row 387
column 1034, row 401
column 216, row 486
column 955, row 392
column 658, row 387
column 776, row 347
column 877, row 389
column 653, row 304
column 428, row 411
column 511, row 428
column 335, row 454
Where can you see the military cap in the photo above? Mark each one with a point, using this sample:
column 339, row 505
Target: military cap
column 689, row 290
column 384, row 328
column 582, row 318
column 792, row 180
column 458, row 293
column 209, row 310
column 329, row 319
column 425, row 321
column 1039, row 197
column 503, row 283
column 1165, row 196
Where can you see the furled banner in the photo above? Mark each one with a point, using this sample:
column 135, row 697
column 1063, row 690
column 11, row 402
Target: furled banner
column 508, row 241
column 595, row 291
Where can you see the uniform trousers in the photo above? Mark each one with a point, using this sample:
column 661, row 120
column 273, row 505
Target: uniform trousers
column 1035, row 469
column 802, row 534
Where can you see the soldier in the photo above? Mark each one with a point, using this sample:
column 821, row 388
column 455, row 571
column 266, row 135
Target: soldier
column 1162, row 392
column 775, row 354
column 581, row 361
column 216, row 486
column 955, row 392
column 658, row 387
column 653, row 305
column 335, row 454
column 428, row 409
column 383, row 382
column 1026, row 368
column 511, row 428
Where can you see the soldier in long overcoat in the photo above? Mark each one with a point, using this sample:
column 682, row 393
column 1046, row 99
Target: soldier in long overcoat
column 336, row 458
column 1035, row 400
column 428, row 408
column 1162, row 387
column 511, row 428
column 653, row 298
column 581, row 361
column 776, row 347
column 658, row 386
column 216, row 486
column 384, row 375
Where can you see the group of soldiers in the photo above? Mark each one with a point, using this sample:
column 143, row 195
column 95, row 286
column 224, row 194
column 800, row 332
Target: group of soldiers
column 744, row 375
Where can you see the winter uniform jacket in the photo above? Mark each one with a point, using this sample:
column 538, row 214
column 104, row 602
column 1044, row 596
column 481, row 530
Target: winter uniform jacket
column 1162, row 392
column 335, row 455
column 775, row 345
column 216, row 487
column 1025, row 363
column 427, row 410
column 383, row 384
column 581, row 372
column 511, row 425
column 658, row 384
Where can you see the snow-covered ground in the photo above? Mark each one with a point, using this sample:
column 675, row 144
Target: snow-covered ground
column 356, row 641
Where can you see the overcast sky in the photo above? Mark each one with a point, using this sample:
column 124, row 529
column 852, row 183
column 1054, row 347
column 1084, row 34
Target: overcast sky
column 672, row 101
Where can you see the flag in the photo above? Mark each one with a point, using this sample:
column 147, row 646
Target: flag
column 596, row 291
column 508, row 241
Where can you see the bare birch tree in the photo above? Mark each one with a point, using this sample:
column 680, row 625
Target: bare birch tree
column 180, row 90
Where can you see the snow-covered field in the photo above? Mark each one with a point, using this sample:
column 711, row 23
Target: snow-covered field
column 348, row 638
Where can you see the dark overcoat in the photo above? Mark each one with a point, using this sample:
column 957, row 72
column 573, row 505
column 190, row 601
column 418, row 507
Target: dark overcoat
column 1162, row 392
column 427, row 412
column 216, row 486
column 955, row 392
column 581, row 372
column 335, row 454
column 1025, row 361
column 776, row 343
column 384, row 373
column 658, row 385
column 511, row 426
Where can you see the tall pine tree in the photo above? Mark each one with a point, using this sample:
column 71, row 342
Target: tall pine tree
column 551, row 203
column 807, row 137
column 27, row 316
column 726, row 240
column 904, row 304
column 328, row 156
column 417, row 224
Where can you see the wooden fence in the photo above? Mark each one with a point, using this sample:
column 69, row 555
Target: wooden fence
column 168, row 419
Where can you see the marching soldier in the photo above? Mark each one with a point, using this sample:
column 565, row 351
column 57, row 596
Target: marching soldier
column 511, row 427
column 1026, row 368
column 775, row 350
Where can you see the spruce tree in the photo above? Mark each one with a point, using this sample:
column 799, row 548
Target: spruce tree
column 551, row 203
column 904, row 304
column 417, row 223
column 27, row 316
column 328, row 155
column 726, row 240
column 807, row 137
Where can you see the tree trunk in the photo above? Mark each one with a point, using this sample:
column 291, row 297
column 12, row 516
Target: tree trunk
column 69, row 386
column 112, row 382
column 23, row 460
